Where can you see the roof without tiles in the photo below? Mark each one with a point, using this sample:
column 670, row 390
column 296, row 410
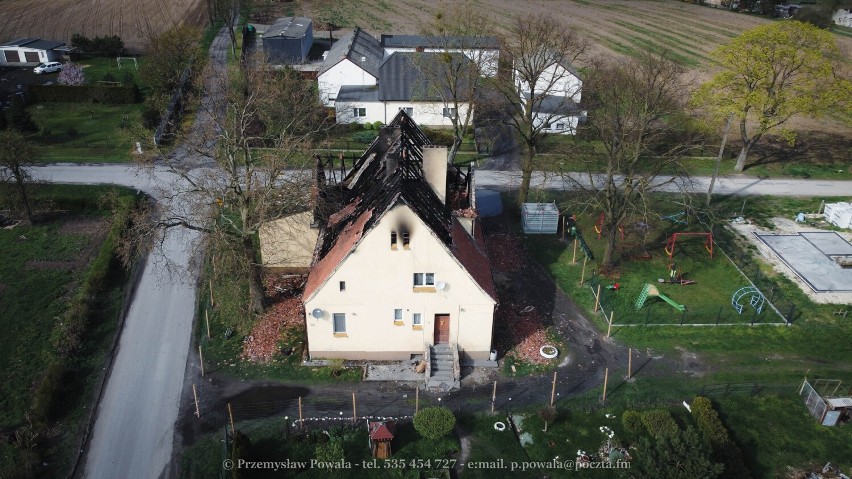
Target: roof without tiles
column 401, row 79
column 288, row 27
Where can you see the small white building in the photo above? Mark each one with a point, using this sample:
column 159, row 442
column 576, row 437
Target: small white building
column 395, row 272
column 352, row 60
column 559, row 79
column 31, row 50
column 557, row 114
column 401, row 86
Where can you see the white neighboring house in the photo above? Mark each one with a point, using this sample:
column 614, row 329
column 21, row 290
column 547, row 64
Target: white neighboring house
column 401, row 86
column 484, row 51
column 395, row 271
column 558, row 114
column 352, row 60
column 31, row 50
column 558, row 80
column 843, row 17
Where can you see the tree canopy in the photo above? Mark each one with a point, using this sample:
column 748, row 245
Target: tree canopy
column 770, row 74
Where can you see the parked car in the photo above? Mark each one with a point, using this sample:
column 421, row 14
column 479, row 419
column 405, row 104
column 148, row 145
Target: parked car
column 48, row 67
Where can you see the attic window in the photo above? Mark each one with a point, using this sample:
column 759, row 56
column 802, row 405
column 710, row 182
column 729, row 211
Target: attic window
column 393, row 240
column 406, row 239
column 343, row 286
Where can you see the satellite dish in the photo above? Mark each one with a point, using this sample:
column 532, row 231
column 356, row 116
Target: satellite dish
column 441, row 285
column 317, row 313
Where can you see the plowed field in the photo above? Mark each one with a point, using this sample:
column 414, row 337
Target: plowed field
column 59, row 19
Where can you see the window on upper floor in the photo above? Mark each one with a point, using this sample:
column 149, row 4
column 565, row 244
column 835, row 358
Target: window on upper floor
column 424, row 279
column 406, row 238
column 343, row 286
column 393, row 240
column 397, row 315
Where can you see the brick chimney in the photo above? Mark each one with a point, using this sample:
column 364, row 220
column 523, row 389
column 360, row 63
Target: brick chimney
column 435, row 170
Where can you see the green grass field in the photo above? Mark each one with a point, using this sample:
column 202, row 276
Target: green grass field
column 42, row 269
column 96, row 69
column 83, row 132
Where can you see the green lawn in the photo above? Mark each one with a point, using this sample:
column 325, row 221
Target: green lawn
column 96, row 69
column 37, row 278
column 83, row 132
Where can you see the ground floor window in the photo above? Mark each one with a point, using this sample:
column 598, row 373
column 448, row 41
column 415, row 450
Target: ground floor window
column 359, row 112
column 417, row 319
column 449, row 112
column 339, row 322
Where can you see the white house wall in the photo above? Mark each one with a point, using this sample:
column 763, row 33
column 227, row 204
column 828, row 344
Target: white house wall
column 569, row 123
column 424, row 113
column 43, row 55
column 379, row 280
column 557, row 81
column 343, row 73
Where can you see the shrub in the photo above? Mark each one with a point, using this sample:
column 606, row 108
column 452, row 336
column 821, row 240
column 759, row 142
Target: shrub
column 364, row 136
column 434, row 422
column 47, row 399
column 67, row 334
column 632, row 421
column 331, row 451
column 439, row 136
column 659, row 422
column 724, row 448
column 368, row 126
column 19, row 118
column 377, row 124
column 71, row 74
column 71, row 131
column 150, row 117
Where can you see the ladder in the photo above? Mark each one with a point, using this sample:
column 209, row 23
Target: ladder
column 643, row 296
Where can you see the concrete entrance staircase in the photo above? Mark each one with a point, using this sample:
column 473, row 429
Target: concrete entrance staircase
column 444, row 370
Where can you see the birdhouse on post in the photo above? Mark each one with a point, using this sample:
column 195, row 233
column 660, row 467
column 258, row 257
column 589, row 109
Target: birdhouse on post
column 381, row 435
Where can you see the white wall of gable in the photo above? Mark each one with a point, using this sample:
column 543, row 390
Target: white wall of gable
column 379, row 280
column 343, row 73
column 424, row 113
column 557, row 80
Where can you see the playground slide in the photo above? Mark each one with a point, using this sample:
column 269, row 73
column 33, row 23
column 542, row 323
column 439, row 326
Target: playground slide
column 677, row 306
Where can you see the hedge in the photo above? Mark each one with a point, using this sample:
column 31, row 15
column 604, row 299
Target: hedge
column 632, row 421
column 110, row 95
column 659, row 422
column 724, row 448
column 47, row 400
column 434, row 422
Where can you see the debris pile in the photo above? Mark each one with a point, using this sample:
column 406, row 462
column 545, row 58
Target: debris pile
column 505, row 252
column 524, row 333
column 262, row 344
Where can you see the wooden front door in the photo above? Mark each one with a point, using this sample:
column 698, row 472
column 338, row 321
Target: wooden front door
column 442, row 328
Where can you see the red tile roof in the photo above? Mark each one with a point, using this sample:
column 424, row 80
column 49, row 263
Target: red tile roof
column 470, row 253
column 382, row 431
column 345, row 243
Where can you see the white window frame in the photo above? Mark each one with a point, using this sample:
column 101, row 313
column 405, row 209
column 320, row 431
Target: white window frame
column 417, row 319
column 359, row 112
column 559, row 126
column 334, row 318
column 449, row 112
column 423, row 279
column 397, row 315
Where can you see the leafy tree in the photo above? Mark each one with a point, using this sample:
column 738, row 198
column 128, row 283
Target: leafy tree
column 19, row 118
column 454, row 77
column 434, row 422
column 249, row 186
column 71, row 74
column 167, row 55
column 547, row 414
column 541, row 50
column 772, row 73
column 16, row 157
column 681, row 456
column 635, row 112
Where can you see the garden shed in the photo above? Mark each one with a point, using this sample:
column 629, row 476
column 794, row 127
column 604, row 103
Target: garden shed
column 288, row 40
column 540, row 218
column 31, row 50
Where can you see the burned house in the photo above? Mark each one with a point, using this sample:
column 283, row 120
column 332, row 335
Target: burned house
column 400, row 267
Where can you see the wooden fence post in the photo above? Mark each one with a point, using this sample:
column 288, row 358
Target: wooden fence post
column 231, row 415
column 201, row 360
column 609, row 328
column 354, row 415
column 493, row 396
column 195, row 396
column 553, row 389
column 597, row 299
column 212, row 300
column 207, row 320
column 416, row 400
column 629, row 363
column 300, row 412
column 574, row 258
column 583, row 274
column 606, row 377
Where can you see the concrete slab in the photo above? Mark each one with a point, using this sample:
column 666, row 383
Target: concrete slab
column 807, row 255
column 402, row 371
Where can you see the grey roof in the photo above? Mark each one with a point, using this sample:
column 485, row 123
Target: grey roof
column 35, row 43
column 288, row 27
column 554, row 104
column 401, row 80
column 430, row 41
column 360, row 48
column 357, row 93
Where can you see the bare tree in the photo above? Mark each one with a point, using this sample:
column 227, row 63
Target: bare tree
column 16, row 157
column 463, row 53
column 262, row 124
column 543, row 85
column 228, row 12
column 636, row 112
